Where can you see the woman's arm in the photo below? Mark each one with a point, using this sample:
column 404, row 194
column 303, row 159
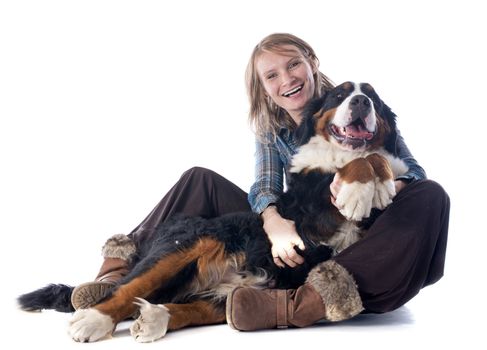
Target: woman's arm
column 269, row 178
column 415, row 171
column 263, row 194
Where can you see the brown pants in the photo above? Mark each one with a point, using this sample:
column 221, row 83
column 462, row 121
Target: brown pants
column 402, row 252
column 199, row 192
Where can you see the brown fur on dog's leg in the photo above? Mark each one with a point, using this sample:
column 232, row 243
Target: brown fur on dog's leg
column 381, row 166
column 197, row 313
column 357, row 170
column 120, row 305
column 384, row 181
column 358, row 184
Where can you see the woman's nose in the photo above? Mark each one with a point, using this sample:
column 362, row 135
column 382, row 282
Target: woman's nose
column 286, row 78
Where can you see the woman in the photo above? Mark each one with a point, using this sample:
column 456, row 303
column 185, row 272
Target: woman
column 403, row 251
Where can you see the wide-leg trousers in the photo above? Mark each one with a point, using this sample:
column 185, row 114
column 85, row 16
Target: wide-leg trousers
column 402, row 252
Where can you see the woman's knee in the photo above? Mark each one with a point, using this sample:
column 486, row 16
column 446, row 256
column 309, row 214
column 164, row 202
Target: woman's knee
column 430, row 191
column 432, row 187
column 198, row 172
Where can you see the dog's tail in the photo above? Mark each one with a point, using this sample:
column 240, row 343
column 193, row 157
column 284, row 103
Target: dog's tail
column 53, row 296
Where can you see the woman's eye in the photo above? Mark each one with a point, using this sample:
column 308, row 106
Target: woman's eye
column 271, row 76
column 294, row 64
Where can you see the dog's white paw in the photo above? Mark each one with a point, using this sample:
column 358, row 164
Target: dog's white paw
column 152, row 322
column 89, row 325
column 355, row 200
column 384, row 193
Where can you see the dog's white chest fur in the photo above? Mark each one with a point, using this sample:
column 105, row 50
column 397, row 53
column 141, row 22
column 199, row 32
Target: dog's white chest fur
column 355, row 199
column 321, row 154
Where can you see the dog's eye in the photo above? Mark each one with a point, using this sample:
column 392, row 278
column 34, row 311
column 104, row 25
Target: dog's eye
column 338, row 96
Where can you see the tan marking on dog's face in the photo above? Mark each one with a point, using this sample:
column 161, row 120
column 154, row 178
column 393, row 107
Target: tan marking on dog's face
column 323, row 119
column 347, row 86
column 383, row 129
column 339, row 102
column 366, row 87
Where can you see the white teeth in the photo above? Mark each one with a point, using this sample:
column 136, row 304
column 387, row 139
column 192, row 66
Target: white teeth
column 293, row 91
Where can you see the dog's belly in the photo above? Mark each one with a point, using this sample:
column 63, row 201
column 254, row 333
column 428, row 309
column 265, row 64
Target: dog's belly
column 217, row 280
column 234, row 279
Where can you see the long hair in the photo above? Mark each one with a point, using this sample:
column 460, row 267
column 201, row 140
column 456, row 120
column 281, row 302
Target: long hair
column 265, row 117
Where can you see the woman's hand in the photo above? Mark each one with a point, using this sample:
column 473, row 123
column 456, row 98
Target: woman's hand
column 399, row 185
column 283, row 236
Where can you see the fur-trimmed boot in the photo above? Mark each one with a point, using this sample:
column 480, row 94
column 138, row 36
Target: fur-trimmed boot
column 330, row 293
column 117, row 253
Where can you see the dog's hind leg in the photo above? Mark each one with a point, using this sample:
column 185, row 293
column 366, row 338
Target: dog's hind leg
column 94, row 323
column 200, row 312
column 155, row 320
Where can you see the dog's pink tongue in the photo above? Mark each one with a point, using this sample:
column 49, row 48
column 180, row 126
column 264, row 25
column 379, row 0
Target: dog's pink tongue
column 357, row 132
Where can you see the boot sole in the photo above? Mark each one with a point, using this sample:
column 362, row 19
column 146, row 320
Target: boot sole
column 90, row 293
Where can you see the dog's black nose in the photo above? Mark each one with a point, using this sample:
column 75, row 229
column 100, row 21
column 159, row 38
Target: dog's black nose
column 360, row 100
column 360, row 106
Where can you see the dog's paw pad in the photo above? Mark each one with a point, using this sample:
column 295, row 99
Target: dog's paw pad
column 152, row 323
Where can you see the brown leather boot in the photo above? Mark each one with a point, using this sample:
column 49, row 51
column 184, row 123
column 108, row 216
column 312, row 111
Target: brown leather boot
column 330, row 293
column 117, row 251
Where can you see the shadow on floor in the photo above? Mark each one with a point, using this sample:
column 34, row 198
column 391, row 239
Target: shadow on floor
column 401, row 316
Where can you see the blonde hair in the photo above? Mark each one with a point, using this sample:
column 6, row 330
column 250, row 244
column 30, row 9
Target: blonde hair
column 265, row 116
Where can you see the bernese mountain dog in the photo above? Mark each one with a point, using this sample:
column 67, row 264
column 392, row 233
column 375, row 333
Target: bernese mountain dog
column 183, row 276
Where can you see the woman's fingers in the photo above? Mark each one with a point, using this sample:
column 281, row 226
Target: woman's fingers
column 289, row 262
column 294, row 257
column 278, row 261
column 287, row 257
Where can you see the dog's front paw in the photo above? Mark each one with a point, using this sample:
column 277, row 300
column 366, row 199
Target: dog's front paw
column 385, row 191
column 355, row 200
column 152, row 322
column 89, row 325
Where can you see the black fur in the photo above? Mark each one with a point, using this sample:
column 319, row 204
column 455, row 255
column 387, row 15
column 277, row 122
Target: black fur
column 53, row 296
column 307, row 203
column 240, row 232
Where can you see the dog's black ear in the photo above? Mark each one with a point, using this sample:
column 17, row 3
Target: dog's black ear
column 389, row 115
column 305, row 130
column 381, row 108
column 307, row 127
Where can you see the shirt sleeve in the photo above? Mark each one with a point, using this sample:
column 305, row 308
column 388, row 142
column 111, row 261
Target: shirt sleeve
column 268, row 185
column 415, row 171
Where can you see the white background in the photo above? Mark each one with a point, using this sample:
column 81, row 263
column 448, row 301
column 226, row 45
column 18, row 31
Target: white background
column 103, row 104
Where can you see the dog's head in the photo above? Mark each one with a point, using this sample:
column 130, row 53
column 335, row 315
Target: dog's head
column 351, row 116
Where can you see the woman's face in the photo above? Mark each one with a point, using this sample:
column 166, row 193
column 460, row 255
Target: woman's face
column 287, row 79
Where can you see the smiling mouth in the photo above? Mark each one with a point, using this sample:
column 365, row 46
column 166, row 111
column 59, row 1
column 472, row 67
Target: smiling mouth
column 355, row 134
column 293, row 91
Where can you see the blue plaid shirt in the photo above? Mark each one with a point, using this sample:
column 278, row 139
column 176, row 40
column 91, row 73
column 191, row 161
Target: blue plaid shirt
column 272, row 161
